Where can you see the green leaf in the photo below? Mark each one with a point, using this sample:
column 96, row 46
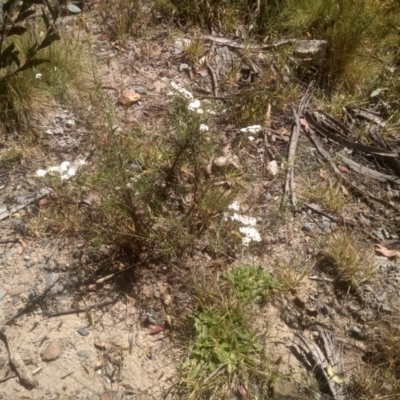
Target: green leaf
column 32, row 63
column 48, row 40
column 8, row 56
column 24, row 15
column 195, row 371
column 45, row 20
column 16, row 31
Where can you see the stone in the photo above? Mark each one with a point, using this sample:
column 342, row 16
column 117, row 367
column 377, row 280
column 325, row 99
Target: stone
column 70, row 123
column 140, row 90
column 311, row 52
column 355, row 332
column 58, row 130
column 50, row 278
column 29, row 264
column 52, row 351
column 82, row 354
column 2, row 293
column 325, row 225
column 19, row 226
column 77, row 254
column 326, row 310
column 83, row 330
column 308, row 227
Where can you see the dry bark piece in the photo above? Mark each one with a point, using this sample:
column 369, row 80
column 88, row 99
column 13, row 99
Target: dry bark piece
column 128, row 97
column 25, row 377
column 387, row 252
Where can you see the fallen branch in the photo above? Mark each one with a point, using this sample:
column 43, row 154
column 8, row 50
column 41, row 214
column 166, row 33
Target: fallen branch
column 25, row 377
column 32, row 303
column 84, row 309
column 225, row 41
column 289, row 185
column 330, row 363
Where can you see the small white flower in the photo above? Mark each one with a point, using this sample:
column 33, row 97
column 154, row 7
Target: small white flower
column 38, row 76
column 250, row 235
column 244, row 219
column 194, row 105
column 234, row 206
column 182, row 90
column 41, row 172
column 55, row 68
column 251, row 138
column 251, row 129
column 204, row 128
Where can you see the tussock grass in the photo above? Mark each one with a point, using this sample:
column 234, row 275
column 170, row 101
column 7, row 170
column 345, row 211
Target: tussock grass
column 66, row 74
column 351, row 261
column 379, row 375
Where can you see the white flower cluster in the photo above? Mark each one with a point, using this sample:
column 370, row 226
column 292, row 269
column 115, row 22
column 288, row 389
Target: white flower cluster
column 66, row 169
column 249, row 232
column 251, row 129
column 194, row 105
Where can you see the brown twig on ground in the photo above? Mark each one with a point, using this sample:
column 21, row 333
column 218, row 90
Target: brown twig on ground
column 289, row 185
column 32, row 303
column 214, row 81
column 84, row 309
column 25, row 377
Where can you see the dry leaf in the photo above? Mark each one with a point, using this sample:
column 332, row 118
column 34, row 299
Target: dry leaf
column 157, row 329
column 243, row 393
column 100, row 363
column 43, row 203
column 304, row 124
column 386, row 252
column 337, row 377
column 273, row 168
column 105, row 278
column 323, row 174
column 130, row 299
column 100, row 345
column 128, row 97
column 343, row 169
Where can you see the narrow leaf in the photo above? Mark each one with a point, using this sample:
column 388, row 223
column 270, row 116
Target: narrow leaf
column 16, row 31
column 48, row 40
column 24, row 15
column 32, row 63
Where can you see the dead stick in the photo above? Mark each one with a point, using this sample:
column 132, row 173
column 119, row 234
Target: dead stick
column 84, row 309
column 32, row 303
column 25, row 377
column 213, row 79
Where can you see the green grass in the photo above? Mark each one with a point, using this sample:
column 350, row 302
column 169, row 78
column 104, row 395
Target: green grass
column 351, row 260
column 66, row 75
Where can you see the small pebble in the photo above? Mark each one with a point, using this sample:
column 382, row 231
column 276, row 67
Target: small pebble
column 309, row 227
column 58, row 130
column 140, row 90
column 70, row 123
column 83, row 330
column 82, row 354
column 29, row 264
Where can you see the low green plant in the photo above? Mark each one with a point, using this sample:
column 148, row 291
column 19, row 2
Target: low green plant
column 250, row 283
column 152, row 189
column 225, row 352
